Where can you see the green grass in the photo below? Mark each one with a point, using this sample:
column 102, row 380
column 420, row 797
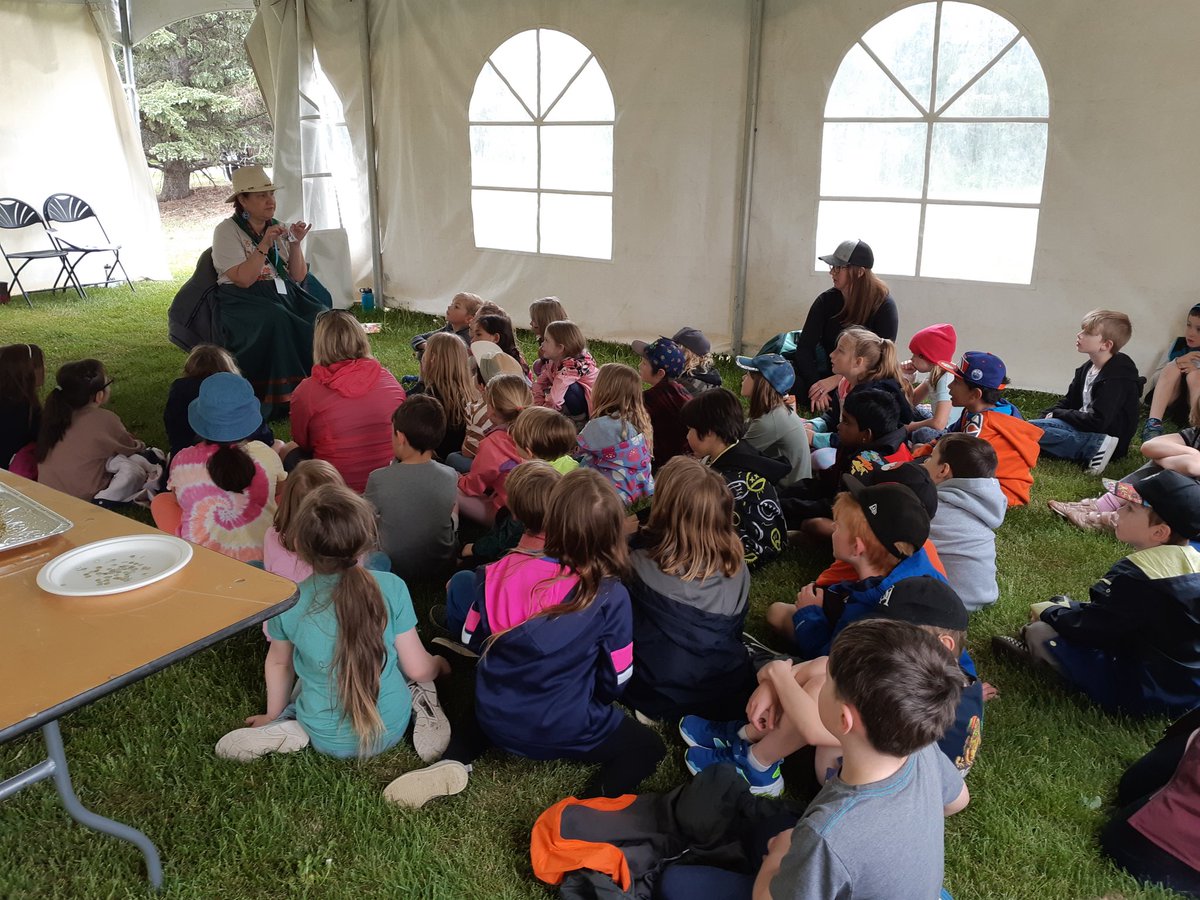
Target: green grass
column 306, row 825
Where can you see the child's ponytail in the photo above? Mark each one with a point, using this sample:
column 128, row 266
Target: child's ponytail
column 231, row 468
column 77, row 383
column 333, row 528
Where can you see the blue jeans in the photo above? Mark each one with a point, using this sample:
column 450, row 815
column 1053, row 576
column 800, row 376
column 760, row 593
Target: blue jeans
column 460, row 594
column 1061, row 441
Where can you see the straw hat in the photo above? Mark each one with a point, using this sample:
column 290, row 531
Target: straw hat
column 250, row 180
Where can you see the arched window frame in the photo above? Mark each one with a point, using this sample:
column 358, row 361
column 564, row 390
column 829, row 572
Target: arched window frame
column 932, row 113
column 594, row 217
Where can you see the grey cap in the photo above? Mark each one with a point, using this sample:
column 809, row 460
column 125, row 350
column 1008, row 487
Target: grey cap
column 851, row 253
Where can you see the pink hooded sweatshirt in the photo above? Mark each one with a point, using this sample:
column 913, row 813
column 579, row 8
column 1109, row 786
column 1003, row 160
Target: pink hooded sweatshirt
column 343, row 414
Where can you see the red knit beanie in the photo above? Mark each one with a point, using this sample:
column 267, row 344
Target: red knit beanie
column 936, row 343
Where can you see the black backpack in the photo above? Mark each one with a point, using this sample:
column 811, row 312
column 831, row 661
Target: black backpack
column 195, row 314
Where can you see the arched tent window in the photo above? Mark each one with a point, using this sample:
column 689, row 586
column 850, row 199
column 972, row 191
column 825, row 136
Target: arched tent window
column 541, row 120
column 934, row 145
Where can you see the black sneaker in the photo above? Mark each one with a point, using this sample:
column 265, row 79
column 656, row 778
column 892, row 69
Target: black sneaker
column 1012, row 649
column 437, row 618
column 453, row 646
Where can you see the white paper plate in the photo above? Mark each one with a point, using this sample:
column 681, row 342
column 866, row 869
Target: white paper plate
column 114, row 565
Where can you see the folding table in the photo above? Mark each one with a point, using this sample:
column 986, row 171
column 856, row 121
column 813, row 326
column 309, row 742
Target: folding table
column 60, row 653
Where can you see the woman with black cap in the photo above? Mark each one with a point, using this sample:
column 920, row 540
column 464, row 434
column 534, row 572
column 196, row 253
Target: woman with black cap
column 857, row 297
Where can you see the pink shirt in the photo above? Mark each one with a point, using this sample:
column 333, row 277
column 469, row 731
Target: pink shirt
column 343, row 414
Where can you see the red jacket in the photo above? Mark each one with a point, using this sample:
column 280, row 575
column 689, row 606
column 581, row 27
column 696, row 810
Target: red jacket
column 343, row 414
column 496, row 457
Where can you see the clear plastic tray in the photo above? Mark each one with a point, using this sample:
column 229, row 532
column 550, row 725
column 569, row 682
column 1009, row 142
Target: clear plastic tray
column 24, row 521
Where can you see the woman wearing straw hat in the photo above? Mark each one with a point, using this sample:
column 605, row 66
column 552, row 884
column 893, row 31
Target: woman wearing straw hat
column 267, row 295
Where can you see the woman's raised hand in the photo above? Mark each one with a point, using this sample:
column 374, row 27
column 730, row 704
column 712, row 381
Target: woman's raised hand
column 299, row 230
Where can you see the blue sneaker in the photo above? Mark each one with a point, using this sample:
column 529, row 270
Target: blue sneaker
column 768, row 783
column 698, row 732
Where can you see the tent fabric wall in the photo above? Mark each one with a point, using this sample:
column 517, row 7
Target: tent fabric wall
column 677, row 71
column 1116, row 220
column 1118, row 209
column 68, row 129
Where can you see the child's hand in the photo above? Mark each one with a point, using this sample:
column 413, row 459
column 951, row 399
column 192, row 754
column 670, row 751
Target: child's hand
column 631, row 525
column 762, row 709
column 908, row 369
column 468, row 551
column 1036, row 609
column 441, row 667
column 790, row 401
column 260, row 721
column 776, row 669
column 990, row 692
column 810, row 595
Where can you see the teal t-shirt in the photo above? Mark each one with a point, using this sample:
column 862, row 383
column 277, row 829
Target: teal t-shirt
column 311, row 627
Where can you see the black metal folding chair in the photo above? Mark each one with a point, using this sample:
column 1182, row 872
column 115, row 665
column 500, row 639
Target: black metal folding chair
column 17, row 214
column 66, row 208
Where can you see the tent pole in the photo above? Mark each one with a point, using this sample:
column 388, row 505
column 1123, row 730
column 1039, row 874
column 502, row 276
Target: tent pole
column 372, row 174
column 754, row 66
column 131, row 96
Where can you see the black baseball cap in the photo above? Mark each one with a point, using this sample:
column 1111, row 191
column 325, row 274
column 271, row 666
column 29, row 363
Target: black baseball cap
column 1173, row 496
column 912, row 475
column 894, row 514
column 923, row 600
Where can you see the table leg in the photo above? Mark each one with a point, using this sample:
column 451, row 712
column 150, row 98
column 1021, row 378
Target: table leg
column 82, row 815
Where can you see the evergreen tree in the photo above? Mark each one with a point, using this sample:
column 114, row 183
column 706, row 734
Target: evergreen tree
column 200, row 104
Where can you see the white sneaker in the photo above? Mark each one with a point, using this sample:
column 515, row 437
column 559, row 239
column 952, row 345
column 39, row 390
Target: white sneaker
column 414, row 789
column 246, row 744
column 431, row 729
column 1103, row 455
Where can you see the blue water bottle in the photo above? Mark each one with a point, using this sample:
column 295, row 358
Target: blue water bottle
column 368, row 299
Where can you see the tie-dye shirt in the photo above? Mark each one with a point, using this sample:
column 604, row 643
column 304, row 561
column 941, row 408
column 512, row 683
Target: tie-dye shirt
column 232, row 524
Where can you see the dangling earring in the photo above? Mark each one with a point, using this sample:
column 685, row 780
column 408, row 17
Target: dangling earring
column 245, row 215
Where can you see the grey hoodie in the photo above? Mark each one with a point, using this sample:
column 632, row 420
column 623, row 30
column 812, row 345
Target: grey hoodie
column 963, row 530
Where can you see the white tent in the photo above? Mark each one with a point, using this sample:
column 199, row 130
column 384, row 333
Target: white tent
column 717, row 134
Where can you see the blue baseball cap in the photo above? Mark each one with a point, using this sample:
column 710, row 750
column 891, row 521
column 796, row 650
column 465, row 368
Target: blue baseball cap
column 773, row 367
column 978, row 369
column 662, row 354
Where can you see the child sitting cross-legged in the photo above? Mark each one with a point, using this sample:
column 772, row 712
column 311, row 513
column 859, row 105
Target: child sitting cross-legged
column 539, row 434
column 714, row 432
column 529, row 488
column 979, row 380
column 222, row 490
column 970, row 508
column 481, row 491
column 689, row 589
column 781, row 716
column 699, row 372
column 1098, row 415
column 565, row 381
column 459, row 313
column 1178, row 378
column 870, row 436
column 559, row 650
column 422, row 545
column 618, row 440
column 879, row 530
column 876, row 828
column 662, row 363
column 773, row 427
column 1134, row 647
column 351, row 640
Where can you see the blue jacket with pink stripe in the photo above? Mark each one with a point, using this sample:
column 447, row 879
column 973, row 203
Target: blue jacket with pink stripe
column 545, row 685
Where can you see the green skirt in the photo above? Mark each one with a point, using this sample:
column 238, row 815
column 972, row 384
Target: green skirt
column 271, row 337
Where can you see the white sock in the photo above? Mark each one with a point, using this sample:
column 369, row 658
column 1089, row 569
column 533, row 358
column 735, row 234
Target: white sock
column 754, row 763
column 741, row 732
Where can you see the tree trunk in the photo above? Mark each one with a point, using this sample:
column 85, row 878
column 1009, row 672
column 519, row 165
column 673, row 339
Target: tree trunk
column 177, row 181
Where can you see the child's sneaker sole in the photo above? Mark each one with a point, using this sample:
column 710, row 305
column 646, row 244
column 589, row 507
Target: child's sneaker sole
column 248, row 744
column 413, row 790
column 455, row 647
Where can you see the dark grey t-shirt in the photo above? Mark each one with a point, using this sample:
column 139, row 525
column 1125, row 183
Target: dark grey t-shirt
column 415, row 504
column 881, row 840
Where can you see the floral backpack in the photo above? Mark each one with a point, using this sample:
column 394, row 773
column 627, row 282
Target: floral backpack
column 626, row 464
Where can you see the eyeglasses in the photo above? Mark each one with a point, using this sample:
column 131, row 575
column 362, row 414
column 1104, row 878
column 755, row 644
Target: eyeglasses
column 833, row 269
column 108, row 384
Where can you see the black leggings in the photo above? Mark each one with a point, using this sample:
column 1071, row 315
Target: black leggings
column 627, row 756
column 1128, row 847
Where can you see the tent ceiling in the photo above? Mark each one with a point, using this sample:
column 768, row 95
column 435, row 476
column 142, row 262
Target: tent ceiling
column 147, row 16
